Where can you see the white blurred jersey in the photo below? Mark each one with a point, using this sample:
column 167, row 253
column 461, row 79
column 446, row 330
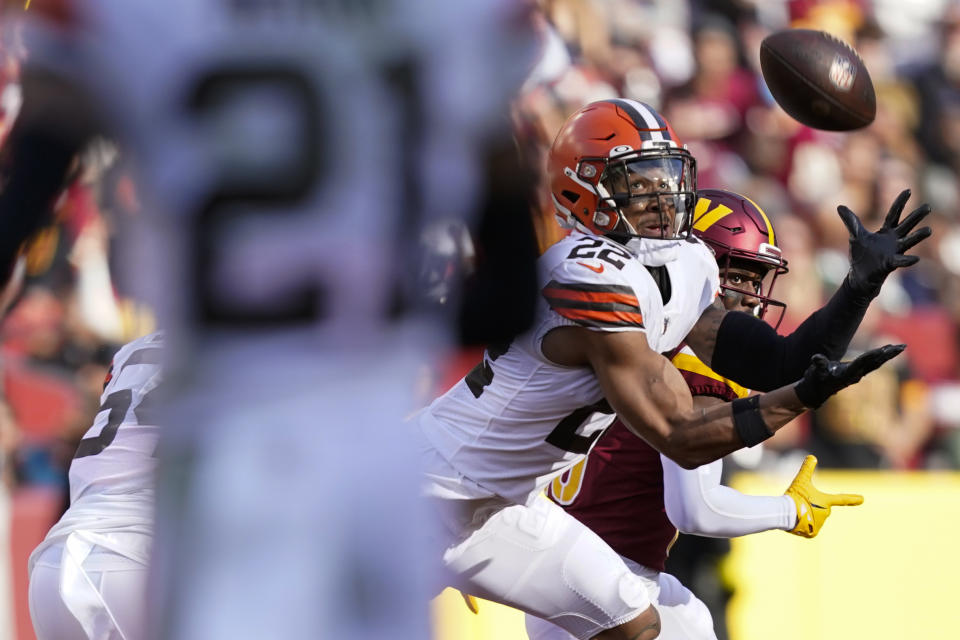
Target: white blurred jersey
column 289, row 151
column 112, row 473
column 517, row 419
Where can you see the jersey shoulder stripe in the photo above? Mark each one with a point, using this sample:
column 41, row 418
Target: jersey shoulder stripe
column 584, row 292
column 146, row 355
column 594, row 305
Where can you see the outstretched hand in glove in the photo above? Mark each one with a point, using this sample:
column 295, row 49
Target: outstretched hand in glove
column 813, row 505
column 824, row 377
column 875, row 255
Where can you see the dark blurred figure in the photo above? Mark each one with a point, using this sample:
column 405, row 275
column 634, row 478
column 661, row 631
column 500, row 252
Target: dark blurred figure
column 938, row 85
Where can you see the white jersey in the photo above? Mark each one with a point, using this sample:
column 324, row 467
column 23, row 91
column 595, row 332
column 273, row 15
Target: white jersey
column 112, row 472
column 289, row 155
column 289, row 152
column 517, row 419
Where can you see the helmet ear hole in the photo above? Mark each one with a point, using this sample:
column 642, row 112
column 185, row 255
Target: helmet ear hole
column 570, row 195
column 589, row 171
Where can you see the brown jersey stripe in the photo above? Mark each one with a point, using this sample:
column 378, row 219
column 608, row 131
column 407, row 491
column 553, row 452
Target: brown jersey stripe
column 580, row 286
column 561, row 303
column 594, row 318
column 590, row 296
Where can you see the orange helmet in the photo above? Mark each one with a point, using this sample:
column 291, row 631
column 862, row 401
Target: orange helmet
column 615, row 156
column 741, row 235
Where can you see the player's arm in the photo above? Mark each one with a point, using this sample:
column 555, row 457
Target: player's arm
column 653, row 400
column 698, row 504
column 55, row 122
column 745, row 349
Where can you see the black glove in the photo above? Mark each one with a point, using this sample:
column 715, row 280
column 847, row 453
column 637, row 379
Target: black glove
column 823, row 377
column 873, row 256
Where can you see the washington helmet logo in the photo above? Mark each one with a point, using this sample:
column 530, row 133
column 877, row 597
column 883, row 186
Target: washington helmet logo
column 842, row 73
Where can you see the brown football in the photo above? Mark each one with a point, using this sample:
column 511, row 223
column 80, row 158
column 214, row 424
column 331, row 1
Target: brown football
column 819, row 80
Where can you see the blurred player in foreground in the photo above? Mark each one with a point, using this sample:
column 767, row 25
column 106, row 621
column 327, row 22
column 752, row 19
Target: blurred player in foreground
column 636, row 499
column 88, row 578
column 627, row 284
column 290, row 156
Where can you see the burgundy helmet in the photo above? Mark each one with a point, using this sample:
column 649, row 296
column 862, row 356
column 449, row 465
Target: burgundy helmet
column 741, row 235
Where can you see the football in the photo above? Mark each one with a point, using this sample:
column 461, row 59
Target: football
column 818, row 79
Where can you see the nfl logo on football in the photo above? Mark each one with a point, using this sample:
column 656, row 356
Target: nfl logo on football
column 842, row 73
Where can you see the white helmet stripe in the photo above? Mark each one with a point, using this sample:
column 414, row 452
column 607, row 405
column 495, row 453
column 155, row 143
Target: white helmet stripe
column 648, row 116
column 605, row 195
column 565, row 217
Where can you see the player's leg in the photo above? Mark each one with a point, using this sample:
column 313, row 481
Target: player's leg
column 51, row 618
column 540, row 629
column 544, row 561
column 683, row 615
column 643, row 627
column 124, row 593
column 102, row 595
column 308, row 484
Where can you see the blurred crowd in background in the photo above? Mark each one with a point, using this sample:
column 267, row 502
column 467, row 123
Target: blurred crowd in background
column 697, row 62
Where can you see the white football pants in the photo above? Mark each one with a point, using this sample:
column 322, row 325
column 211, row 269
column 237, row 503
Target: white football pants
column 88, row 593
column 299, row 515
column 538, row 559
column 683, row 616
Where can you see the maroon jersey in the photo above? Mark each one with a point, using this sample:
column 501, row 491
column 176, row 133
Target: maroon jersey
column 617, row 490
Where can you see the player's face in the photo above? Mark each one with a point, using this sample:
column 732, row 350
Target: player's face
column 742, row 284
column 645, row 191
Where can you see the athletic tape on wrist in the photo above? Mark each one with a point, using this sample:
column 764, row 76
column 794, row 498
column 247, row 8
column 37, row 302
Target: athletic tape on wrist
column 748, row 422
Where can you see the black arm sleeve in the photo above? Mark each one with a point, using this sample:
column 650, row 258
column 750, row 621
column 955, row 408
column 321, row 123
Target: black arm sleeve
column 749, row 352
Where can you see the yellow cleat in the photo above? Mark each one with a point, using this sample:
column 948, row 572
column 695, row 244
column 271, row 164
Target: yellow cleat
column 471, row 602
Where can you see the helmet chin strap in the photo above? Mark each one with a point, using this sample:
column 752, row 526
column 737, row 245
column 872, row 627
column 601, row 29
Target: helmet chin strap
column 626, row 223
column 654, row 252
